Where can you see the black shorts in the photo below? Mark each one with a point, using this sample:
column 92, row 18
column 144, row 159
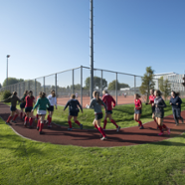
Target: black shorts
column 22, row 105
column 137, row 111
column 153, row 109
column 13, row 108
column 159, row 114
column 109, row 112
column 28, row 109
column 73, row 113
column 99, row 116
column 51, row 108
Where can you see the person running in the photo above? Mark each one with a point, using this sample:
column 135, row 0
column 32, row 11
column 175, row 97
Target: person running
column 138, row 110
column 53, row 101
column 151, row 101
column 96, row 104
column 108, row 100
column 14, row 112
column 42, row 104
column 30, row 99
column 23, row 103
column 159, row 112
column 176, row 102
column 73, row 111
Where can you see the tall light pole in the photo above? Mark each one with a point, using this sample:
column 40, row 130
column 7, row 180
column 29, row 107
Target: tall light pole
column 92, row 51
column 8, row 56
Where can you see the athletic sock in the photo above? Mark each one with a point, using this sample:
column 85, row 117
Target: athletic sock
column 160, row 128
column 21, row 115
column 164, row 126
column 101, row 131
column 49, row 120
column 15, row 117
column 77, row 122
column 9, row 118
column 105, row 123
column 70, row 125
column 26, row 119
column 41, row 127
column 96, row 127
column 37, row 116
column 31, row 121
column 112, row 121
column 140, row 123
column 38, row 123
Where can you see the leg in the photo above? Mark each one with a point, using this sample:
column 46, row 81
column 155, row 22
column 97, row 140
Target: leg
column 38, row 122
column 139, row 121
column 41, row 123
column 105, row 121
column 31, row 119
column 26, row 119
column 175, row 116
column 9, row 118
column 100, row 129
column 77, row 122
column 112, row 121
column 16, row 115
column 69, row 122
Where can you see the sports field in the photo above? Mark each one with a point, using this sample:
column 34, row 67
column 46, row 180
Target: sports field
column 24, row 161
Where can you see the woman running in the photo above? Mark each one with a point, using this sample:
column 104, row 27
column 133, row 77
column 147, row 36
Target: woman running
column 159, row 112
column 138, row 110
column 28, row 108
column 14, row 111
column 42, row 104
column 53, row 101
column 108, row 100
column 96, row 104
column 23, row 103
column 73, row 111
column 151, row 101
column 176, row 102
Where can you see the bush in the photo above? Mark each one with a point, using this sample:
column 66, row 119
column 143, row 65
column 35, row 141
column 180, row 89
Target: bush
column 5, row 95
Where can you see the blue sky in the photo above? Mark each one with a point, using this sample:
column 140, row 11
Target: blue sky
column 44, row 36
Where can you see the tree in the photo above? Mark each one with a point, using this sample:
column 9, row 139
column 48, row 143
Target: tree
column 112, row 85
column 0, row 85
column 76, row 86
column 11, row 81
column 147, row 82
column 165, row 87
column 97, row 83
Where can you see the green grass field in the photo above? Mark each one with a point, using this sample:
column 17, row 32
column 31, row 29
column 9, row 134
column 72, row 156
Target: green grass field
column 25, row 162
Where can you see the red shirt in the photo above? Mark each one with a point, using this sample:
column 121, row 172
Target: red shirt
column 151, row 99
column 138, row 103
column 29, row 101
column 108, row 100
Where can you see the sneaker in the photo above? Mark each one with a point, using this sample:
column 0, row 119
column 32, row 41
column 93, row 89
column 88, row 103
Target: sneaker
column 168, row 131
column 81, row 126
column 157, row 128
column 41, row 132
column 161, row 134
column 70, row 129
column 25, row 124
column 13, row 121
column 182, row 120
column 49, row 126
column 118, row 129
column 177, row 123
column 141, row 127
column 103, row 138
column 8, row 123
column 37, row 128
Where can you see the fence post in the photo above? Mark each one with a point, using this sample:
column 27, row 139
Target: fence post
column 44, row 83
column 101, row 83
column 35, row 88
column 116, row 88
column 28, row 84
column 81, row 89
column 73, row 81
column 134, row 84
column 19, row 90
column 56, row 85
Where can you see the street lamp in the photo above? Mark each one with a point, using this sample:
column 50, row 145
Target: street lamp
column 8, row 56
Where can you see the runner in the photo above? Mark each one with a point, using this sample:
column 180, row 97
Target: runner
column 53, row 101
column 108, row 100
column 13, row 98
column 96, row 104
column 151, row 101
column 73, row 111
column 42, row 104
column 159, row 112
column 23, row 103
column 30, row 99
column 138, row 110
column 176, row 102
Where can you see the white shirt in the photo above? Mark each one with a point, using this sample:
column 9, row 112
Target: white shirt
column 52, row 100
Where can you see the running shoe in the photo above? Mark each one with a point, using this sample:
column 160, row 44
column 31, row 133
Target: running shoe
column 81, row 126
column 182, row 120
column 8, row 123
column 161, row 134
column 37, row 128
column 177, row 123
column 118, row 129
column 141, row 127
column 103, row 138
column 14, row 121
column 168, row 131
column 70, row 129
column 41, row 132
column 49, row 126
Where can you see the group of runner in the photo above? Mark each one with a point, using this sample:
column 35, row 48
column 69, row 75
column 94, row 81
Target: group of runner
column 47, row 103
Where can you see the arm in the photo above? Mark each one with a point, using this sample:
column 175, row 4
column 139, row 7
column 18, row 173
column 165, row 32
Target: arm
column 66, row 105
column 114, row 102
column 9, row 98
column 163, row 104
column 179, row 101
column 48, row 103
column 104, row 105
column 91, row 106
column 37, row 104
column 80, row 106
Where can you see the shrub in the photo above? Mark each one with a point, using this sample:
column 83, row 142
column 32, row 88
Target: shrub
column 5, row 95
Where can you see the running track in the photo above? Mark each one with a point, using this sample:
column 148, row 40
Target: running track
column 91, row 138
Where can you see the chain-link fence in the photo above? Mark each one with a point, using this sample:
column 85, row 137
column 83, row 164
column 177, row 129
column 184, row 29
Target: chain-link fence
column 122, row 86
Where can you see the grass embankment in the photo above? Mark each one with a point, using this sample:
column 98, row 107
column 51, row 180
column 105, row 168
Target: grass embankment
column 27, row 162
column 122, row 114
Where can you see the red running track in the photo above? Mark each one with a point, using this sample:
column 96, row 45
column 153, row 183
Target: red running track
column 91, row 138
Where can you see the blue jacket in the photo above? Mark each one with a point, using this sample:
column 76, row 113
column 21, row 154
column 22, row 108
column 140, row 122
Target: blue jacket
column 175, row 100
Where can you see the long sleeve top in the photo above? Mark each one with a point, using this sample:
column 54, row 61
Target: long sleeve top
column 108, row 100
column 13, row 100
column 42, row 104
column 96, row 106
column 160, row 105
column 175, row 100
column 52, row 100
column 73, row 105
